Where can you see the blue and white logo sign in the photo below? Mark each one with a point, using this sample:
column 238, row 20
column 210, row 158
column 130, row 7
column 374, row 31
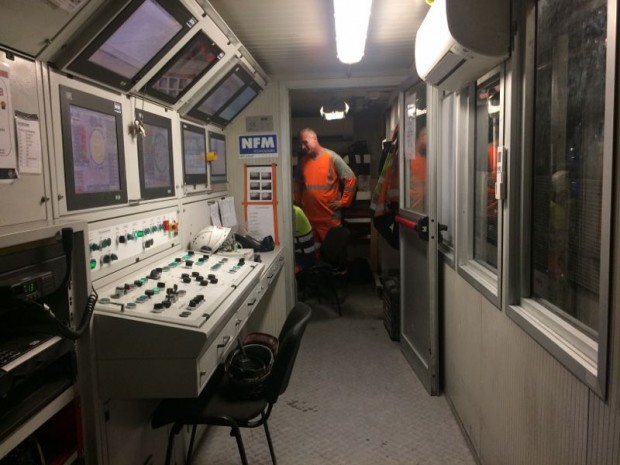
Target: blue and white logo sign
column 258, row 145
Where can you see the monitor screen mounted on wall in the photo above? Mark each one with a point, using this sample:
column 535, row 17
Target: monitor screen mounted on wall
column 217, row 144
column 93, row 150
column 227, row 98
column 133, row 42
column 197, row 57
column 155, row 156
column 194, row 154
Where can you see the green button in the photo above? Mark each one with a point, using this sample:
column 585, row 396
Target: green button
column 93, row 264
column 138, row 234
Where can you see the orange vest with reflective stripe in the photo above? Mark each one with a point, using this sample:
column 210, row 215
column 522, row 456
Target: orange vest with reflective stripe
column 317, row 183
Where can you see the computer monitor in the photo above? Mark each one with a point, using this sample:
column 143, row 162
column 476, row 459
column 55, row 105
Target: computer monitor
column 217, row 143
column 155, row 156
column 93, row 150
column 133, row 42
column 197, row 57
column 194, row 154
column 227, row 98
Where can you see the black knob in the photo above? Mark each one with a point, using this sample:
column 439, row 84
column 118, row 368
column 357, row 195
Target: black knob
column 158, row 306
column 204, row 282
column 161, row 285
column 187, row 280
column 149, row 292
column 189, row 262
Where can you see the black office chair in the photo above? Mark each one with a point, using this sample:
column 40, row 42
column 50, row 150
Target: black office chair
column 330, row 272
column 219, row 405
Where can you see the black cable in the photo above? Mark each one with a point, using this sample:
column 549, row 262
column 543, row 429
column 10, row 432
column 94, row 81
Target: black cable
column 62, row 327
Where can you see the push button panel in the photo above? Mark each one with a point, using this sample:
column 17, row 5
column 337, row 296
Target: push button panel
column 177, row 291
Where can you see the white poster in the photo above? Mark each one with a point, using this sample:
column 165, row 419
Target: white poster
column 28, row 144
column 260, row 221
column 227, row 211
column 8, row 157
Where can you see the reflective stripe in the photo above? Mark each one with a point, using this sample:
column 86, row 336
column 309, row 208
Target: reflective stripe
column 319, row 187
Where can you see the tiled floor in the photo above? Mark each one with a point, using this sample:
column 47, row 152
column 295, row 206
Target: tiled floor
column 352, row 399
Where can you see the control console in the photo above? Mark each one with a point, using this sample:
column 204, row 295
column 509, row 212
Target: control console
column 161, row 332
column 186, row 290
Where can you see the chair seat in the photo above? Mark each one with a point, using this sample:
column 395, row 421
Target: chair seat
column 212, row 403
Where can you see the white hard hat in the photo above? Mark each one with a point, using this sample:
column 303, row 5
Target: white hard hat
column 213, row 238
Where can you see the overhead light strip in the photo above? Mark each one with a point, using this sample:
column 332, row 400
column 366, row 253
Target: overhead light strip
column 352, row 18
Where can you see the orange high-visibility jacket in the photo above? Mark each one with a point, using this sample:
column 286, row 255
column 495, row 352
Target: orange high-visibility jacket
column 317, row 182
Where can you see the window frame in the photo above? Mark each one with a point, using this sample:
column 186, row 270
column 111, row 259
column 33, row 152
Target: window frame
column 448, row 105
column 486, row 281
column 583, row 355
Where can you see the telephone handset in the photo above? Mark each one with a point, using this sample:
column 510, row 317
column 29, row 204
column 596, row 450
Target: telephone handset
column 248, row 242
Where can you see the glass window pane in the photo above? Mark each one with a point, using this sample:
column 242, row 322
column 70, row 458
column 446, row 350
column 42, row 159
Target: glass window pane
column 568, row 157
column 488, row 111
column 415, row 149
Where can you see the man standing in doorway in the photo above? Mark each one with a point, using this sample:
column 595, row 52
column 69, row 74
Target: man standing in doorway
column 317, row 184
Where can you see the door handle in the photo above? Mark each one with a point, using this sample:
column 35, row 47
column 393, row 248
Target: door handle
column 405, row 222
column 422, row 228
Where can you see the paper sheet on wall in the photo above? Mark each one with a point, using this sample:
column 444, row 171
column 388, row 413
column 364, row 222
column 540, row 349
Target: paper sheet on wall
column 227, row 211
column 8, row 157
column 28, row 144
column 214, row 213
column 260, row 221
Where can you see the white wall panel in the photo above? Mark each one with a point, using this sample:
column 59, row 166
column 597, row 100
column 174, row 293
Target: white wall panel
column 26, row 199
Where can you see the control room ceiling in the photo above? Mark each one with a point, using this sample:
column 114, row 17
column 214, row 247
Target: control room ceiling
column 294, row 39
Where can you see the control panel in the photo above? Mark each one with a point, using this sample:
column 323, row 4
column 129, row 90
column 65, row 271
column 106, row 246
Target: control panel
column 108, row 245
column 185, row 290
column 161, row 331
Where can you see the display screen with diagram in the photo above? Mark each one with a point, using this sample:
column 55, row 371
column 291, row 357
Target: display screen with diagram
column 155, row 156
column 93, row 150
column 194, row 154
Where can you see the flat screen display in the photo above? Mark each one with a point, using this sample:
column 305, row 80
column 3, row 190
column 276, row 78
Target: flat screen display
column 93, row 150
column 133, row 42
column 227, row 98
column 217, row 143
column 197, row 57
column 238, row 104
column 222, row 94
column 194, row 154
column 155, row 156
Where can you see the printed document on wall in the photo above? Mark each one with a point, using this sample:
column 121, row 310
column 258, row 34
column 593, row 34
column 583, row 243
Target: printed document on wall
column 8, row 156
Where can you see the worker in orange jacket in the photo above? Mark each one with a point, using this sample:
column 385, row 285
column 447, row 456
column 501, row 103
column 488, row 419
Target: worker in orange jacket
column 317, row 184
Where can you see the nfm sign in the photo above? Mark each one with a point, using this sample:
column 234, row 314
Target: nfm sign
column 258, row 145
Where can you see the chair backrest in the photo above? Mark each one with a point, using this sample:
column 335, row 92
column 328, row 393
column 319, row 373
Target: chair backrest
column 289, row 342
column 334, row 247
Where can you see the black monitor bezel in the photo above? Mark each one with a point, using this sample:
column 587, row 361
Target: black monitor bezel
column 84, row 67
column 215, row 118
column 149, row 88
column 194, row 179
column 149, row 193
column 75, row 201
column 218, row 178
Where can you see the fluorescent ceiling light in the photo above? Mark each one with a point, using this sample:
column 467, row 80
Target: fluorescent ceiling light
column 352, row 17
